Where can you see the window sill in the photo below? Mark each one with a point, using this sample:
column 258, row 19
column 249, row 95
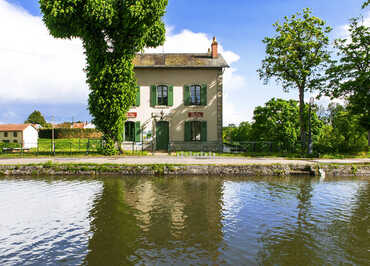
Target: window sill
column 162, row 107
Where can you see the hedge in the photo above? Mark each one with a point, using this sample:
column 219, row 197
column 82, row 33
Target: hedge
column 70, row 133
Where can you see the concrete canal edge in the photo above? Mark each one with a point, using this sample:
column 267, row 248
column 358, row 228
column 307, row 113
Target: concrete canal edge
column 182, row 170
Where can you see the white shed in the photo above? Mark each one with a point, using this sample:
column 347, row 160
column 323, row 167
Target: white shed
column 24, row 134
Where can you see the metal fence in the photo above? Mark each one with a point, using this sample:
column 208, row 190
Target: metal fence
column 263, row 146
column 69, row 147
column 49, row 147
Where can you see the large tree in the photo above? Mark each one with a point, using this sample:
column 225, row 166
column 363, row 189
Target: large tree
column 278, row 121
column 297, row 56
column 349, row 75
column 112, row 32
column 36, row 118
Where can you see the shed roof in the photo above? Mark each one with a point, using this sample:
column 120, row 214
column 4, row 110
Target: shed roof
column 167, row 60
column 13, row 127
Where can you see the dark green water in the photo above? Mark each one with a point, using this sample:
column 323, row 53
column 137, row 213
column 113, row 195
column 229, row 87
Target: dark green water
column 184, row 221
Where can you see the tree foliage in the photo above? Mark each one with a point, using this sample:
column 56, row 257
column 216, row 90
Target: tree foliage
column 366, row 3
column 112, row 32
column 36, row 118
column 297, row 56
column 342, row 132
column 278, row 121
column 349, row 76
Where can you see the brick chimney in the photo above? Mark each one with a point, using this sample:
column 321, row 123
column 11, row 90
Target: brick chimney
column 214, row 46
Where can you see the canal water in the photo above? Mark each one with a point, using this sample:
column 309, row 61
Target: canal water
column 184, row 221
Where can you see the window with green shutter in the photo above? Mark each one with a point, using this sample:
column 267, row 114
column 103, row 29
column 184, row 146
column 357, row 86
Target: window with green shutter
column 129, row 131
column 195, row 131
column 137, row 131
column 203, row 95
column 153, row 95
column 186, row 95
column 137, row 102
column 187, row 131
column 170, row 95
column 203, row 133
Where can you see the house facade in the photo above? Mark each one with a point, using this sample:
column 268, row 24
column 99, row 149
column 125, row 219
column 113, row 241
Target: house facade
column 178, row 103
column 24, row 134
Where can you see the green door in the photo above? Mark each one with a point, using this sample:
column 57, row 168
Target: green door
column 162, row 135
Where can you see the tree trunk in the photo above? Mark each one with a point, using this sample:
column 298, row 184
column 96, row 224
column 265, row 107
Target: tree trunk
column 301, row 115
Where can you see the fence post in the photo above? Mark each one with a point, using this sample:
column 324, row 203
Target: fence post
column 87, row 146
column 70, row 148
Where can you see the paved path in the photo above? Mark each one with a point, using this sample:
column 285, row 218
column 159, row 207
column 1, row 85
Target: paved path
column 165, row 159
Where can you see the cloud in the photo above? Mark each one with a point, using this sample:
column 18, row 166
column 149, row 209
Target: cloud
column 37, row 68
column 343, row 30
column 34, row 66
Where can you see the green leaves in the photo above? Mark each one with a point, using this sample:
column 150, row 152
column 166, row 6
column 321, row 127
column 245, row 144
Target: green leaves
column 297, row 56
column 112, row 31
column 349, row 75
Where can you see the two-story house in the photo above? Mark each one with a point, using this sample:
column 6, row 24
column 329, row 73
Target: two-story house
column 179, row 101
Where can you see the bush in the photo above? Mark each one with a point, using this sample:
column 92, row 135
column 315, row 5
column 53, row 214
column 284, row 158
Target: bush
column 70, row 133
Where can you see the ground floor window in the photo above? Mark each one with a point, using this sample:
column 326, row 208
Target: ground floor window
column 15, row 141
column 132, row 131
column 129, row 131
column 196, row 131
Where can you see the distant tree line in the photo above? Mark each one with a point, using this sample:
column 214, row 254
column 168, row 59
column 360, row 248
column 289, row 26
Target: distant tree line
column 335, row 129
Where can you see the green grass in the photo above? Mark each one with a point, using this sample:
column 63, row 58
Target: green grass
column 279, row 155
column 63, row 147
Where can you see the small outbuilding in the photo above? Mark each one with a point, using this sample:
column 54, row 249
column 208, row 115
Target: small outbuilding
column 24, row 134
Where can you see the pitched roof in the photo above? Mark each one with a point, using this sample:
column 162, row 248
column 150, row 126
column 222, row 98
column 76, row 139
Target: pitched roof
column 13, row 127
column 179, row 61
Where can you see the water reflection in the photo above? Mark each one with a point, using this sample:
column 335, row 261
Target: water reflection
column 186, row 221
column 163, row 220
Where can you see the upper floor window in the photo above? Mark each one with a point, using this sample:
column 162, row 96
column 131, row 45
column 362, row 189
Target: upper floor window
column 5, row 134
column 15, row 134
column 162, row 95
column 195, row 94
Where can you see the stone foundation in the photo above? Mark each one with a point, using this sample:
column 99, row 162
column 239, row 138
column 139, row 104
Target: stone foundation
column 209, row 170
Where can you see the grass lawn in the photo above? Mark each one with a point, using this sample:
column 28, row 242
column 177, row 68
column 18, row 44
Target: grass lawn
column 63, row 147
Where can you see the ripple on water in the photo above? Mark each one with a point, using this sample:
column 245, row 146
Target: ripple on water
column 45, row 221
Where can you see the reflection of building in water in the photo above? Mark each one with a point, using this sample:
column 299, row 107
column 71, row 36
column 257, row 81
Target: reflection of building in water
column 172, row 220
column 180, row 214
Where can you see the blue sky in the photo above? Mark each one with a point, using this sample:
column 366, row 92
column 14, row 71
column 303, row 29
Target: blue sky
column 239, row 25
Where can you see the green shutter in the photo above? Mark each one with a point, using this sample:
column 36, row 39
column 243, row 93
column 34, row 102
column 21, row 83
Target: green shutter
column 124, row 133
column 137, row 103
column 137, row 131
column 203, row 132
column 203, row 95
column 153, row 95
column 186, row 95
column 170, row 95
column 187, row 131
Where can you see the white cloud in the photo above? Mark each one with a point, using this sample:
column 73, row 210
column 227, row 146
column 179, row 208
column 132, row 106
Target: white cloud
column 35, row 67
column 343, row 30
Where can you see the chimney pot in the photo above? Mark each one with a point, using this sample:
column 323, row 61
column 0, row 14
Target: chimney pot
column 214, row 48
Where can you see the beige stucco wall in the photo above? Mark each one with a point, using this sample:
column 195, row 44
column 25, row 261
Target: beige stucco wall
column 11, row 137
column 178, row 113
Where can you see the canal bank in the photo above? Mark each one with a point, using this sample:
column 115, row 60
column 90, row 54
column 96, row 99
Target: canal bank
column 274, row 169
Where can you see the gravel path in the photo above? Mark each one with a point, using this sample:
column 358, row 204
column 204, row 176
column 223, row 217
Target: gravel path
column 165, row 159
